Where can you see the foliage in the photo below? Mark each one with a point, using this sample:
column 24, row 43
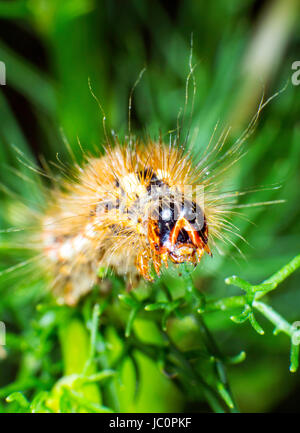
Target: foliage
column 174, row 345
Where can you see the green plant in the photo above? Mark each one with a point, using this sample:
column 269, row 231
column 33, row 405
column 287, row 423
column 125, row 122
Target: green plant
column 173, row 346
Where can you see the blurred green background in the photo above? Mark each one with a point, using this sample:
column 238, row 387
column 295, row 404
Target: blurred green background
column 50, row 48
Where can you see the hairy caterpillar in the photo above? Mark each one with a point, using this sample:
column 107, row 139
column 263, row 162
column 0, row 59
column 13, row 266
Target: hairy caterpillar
column 128, row 209
column 138, row 207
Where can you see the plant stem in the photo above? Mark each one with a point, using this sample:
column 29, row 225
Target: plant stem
column 282, row 274
column 271, row 283
column 280, row 323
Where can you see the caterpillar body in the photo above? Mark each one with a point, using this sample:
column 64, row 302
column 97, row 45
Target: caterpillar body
column 128, row 210
column 136, row 208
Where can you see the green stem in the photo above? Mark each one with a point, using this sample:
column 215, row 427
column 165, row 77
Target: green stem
column 250, row 300
column 275, row 318
column 220, row 369
column 210, row 394
column 188, row 375
column 223, row 304
column 282, row 274
column 260, row 290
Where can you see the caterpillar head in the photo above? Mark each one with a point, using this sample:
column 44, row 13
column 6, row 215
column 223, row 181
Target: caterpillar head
column 177, row 230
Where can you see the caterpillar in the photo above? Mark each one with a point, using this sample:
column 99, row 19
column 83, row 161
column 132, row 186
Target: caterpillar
column 128, row 209
column 138, row 207
column 135, row 209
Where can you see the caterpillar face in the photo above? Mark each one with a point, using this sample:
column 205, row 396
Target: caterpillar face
column 177, row 229
column 182, row 230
